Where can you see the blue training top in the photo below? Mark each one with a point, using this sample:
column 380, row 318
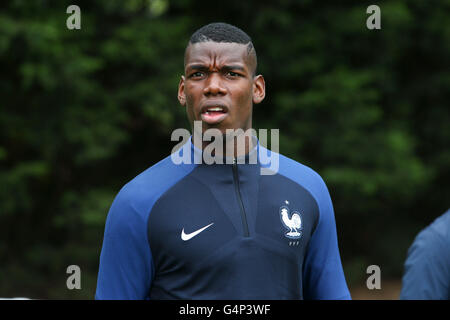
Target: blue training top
column 427, row 268
column 222, row 231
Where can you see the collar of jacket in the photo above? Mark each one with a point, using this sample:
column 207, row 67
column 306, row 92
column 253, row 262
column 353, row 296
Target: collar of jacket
column 252, row 157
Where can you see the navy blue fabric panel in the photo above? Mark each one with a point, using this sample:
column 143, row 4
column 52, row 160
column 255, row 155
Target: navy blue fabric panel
column 188, row 206
column 295, row 199
column 249, row 183
column 220, row 261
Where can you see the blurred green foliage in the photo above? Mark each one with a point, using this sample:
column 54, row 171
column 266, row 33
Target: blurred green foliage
column 84, row 111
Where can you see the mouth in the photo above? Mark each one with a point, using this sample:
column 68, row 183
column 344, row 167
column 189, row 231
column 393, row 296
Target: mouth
column 214, row 113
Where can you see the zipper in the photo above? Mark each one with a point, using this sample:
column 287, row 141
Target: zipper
column 238, row 194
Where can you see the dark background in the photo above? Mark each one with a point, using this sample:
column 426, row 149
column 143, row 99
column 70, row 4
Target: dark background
column 82, row 112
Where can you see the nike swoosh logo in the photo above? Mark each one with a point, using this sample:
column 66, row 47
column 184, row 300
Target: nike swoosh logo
column 186, row 237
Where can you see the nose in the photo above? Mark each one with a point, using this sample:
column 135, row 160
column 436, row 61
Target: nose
column 214, row 85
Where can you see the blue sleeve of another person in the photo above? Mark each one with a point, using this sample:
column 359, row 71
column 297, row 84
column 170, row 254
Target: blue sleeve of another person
column 427, row 267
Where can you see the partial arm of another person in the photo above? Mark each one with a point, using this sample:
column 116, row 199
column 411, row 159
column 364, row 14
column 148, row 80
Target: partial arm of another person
column 427, row 268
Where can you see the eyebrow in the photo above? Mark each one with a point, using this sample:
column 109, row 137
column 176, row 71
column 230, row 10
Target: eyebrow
column 202, row 67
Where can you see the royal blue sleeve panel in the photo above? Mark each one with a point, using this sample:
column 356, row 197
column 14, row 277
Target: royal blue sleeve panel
column 427, row 267
column 126, row 266
column 125, row 262
column 323, row 275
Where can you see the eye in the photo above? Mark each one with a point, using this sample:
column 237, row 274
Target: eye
column 197, row 74
column 233, row 74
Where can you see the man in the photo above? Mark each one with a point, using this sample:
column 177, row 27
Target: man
column 427, row 268
column 221, row 231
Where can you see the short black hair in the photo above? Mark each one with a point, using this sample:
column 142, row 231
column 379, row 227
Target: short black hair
column 223, row 32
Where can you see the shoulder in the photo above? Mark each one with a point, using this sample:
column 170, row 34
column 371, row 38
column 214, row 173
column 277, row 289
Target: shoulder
column 430, row 246
column 301, row 174
column 427, row 267
column 435, row 237
column 441, row 227
column 140, row 193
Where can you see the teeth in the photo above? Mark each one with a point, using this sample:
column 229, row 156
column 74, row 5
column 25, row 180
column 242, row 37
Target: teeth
column 215, row 109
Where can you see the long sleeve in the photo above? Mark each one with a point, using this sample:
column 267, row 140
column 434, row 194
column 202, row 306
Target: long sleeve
column 323, row 276
column 126, row 266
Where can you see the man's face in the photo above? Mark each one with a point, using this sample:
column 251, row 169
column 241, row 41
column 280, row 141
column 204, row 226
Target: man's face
column 218, row 87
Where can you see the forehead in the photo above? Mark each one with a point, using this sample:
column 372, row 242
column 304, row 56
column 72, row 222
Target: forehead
column 219, row 52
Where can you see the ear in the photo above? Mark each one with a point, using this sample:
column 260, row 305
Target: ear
column 259, row 89
column 181, row 94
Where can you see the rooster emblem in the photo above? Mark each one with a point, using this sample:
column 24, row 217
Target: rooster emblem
column 294, row 223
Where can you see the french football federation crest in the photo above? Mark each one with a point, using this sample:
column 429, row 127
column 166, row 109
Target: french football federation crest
column 293, row 222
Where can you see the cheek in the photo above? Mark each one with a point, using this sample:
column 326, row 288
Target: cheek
column 192, row 95
column 190, row 102
column 188, row 95
column 190, row 99
column 245, row 101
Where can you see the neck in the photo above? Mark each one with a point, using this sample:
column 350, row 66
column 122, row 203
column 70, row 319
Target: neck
column 233, row 145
